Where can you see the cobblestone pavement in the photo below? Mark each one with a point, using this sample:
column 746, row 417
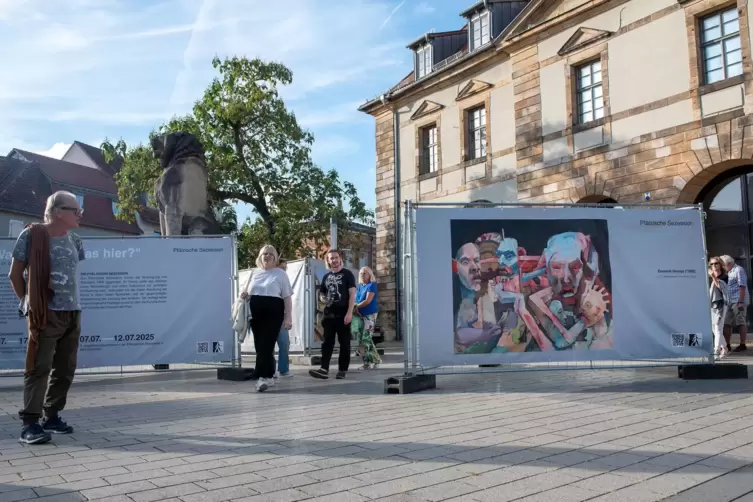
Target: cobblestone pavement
column 554, row 436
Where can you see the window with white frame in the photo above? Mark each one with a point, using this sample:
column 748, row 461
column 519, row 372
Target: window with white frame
column 589, row 92
column 428, row 160
column 15, row 228
column 476, row 120
column 423, row 61
column 720, row 46
column 480, row 32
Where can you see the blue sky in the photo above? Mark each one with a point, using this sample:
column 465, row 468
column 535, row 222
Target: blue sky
column 89, row 69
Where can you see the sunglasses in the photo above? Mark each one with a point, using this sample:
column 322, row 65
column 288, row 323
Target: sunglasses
column 714, row 263
column 76, row 210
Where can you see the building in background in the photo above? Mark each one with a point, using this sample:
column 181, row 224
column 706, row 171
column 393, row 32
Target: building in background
column 357, row 243
column 27, row 179
column 575, row 101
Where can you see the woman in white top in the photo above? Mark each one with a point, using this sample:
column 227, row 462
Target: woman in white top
column 270, row 295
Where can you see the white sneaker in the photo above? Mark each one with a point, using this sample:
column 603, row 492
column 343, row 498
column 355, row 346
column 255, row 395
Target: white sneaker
column 271, row 382
column 262, row 384
column 277, row 375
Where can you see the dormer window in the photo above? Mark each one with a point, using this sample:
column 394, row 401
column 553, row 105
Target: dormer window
column 480, row 29
column 423, row 61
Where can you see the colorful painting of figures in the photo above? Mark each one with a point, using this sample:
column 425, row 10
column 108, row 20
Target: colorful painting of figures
column 531, row 286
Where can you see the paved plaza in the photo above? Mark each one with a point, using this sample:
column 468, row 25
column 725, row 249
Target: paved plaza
column 554, row 436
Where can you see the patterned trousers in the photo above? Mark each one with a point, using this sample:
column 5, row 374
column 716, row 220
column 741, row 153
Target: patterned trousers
column 363, row 329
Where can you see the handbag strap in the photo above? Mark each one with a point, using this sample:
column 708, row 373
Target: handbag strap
column 248, row 281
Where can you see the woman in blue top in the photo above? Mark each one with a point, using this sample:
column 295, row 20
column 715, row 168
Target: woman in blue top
column 365, row 316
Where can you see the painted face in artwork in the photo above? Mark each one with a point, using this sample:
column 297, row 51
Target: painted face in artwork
column 468, row 267
column 593, row 305
column 564, row 264
column 507, row 256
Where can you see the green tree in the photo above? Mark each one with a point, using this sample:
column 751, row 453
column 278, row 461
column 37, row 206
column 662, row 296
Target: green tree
column 256, row 153
column 226, row 216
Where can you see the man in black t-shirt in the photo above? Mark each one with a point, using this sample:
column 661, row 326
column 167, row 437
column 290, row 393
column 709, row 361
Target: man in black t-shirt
column 338, row 292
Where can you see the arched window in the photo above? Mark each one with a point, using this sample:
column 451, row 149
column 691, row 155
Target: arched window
column 729, row 220
column 597, row 199
column 479, row 203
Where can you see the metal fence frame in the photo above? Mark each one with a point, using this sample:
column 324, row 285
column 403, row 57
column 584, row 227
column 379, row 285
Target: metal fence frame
column 409, row 284
column 236, row 360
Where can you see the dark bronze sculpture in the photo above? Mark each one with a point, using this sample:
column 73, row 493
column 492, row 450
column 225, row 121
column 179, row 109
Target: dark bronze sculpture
column 181, row 189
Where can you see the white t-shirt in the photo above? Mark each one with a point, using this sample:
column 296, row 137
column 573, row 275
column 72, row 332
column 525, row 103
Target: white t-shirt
column 272, row 282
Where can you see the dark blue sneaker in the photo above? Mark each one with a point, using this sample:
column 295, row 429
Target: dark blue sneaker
column 34, row 434
column 56, row 425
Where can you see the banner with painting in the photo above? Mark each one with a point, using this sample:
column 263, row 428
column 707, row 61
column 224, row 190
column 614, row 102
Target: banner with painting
column 560, row 284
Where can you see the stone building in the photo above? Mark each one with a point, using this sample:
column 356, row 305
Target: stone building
column 574, row 101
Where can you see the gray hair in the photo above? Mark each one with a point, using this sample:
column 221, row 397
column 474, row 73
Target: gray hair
column 728, row 261
column 55, row 201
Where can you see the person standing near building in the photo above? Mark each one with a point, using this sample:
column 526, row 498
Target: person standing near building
column 719, row 295
column 739, row 299
column 338, row 291
column 367, row 307
column 283, row 341
column 44, row 276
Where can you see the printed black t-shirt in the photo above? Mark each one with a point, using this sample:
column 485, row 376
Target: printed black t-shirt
column 335, row 286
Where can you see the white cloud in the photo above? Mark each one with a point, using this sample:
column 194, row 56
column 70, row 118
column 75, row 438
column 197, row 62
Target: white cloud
column 139, row 64
column 57, row 151
column 324, row 43
column 86, row 68
column 340, row 114
column 424, row 8
column 334, row 146
column 388, row 18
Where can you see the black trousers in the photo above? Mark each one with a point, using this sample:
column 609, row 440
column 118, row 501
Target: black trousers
column 267, row 313
column 334, row 325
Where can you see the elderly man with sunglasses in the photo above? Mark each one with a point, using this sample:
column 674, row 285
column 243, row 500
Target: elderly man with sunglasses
column 44, row 276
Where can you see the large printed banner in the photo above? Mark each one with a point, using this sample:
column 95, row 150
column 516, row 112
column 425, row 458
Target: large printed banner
column 144, row 301
column 560, row 284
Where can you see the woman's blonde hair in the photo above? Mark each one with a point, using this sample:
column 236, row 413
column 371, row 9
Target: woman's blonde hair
column 372, row 277
column 722, row 267
column 265, row 248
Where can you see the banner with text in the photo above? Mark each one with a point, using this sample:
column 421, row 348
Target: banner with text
column 560, row 284
column 143, row 301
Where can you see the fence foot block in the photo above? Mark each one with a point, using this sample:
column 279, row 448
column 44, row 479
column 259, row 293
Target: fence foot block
column 161, row 366
column 712, row 371
column 235, row 374
column 409, row 384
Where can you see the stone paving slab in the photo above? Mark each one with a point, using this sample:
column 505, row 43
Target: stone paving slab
column 621, row 434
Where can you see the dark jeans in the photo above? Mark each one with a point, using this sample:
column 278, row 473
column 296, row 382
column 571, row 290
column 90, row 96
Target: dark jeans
column 335, row 326
column 267, row 313
column 56, row 357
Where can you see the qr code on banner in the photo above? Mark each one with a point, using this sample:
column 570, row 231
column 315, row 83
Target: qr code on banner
column 202, row 347
column 678, row 339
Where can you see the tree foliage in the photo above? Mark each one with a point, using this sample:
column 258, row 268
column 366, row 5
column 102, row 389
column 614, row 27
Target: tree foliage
column 256, row 153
